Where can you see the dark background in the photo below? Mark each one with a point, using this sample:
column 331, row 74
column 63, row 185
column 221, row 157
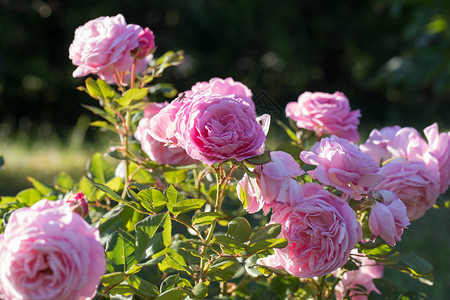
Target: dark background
column 391, row 58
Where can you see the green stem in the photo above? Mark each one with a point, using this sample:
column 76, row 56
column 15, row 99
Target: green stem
column 127, row 163
column 321, row 285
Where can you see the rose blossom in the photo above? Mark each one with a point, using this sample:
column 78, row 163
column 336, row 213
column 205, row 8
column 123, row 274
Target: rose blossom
column 49, row 252
column 78, row 203
column 146, row 40
column 214, row 128
column 439, row 147
column 342, row 165
column 415, row 184
column 325, row 114
column 223, row 87
column 321, row 230
column 275, row 183
column 388, row 217
column 396, row 142
column 103, row 45
column 362, row 277
column 156, row 150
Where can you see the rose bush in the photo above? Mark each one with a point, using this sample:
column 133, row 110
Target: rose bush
column 49, row 252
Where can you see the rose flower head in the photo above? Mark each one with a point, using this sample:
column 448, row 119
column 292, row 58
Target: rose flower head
column 388, row 217
column 103, row 45
column 161, row 152
column 321, row 230
column 78, row 203
column 341, row 164
column 275, row 181
column 325, row 114
column 49, row 252
column 214, row 128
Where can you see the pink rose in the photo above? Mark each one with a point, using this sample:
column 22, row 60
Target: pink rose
column 321, row 230
column 78, row 203
column 275, row 183
column 355, row 280
column 325, row 114
column 146, row 41
column 415, row 184
column 439, row 147
column 223, row 87
column 156, row 150
column 49, row 252
column 214, row 128
column 162, row 128
column 103, row 45
column 342, row 165
column 396, row 142
column 388, row 217
column 378, row 142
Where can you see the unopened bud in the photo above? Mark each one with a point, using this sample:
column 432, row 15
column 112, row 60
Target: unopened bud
column 78, row 204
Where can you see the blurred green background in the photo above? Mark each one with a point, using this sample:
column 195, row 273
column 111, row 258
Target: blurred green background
column 391, row 59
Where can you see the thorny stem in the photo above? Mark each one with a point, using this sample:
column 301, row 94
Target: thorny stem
column 222, row 181
column 133, row 74
column 125, row 144
column 321, row 285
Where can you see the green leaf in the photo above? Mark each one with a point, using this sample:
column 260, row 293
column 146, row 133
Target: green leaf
column 260, row 159
column 28, row 196
column 385, row 287
column 230, row 243
column 112, row 278
column 152, row 199
column 111, row 194
column 413, row 295
column 64, row 182
column 378, row 250
column 184, row 206
column 266, row 245
column 223, row 269
column 142, row 287
column 239, row 229
column 417, row 267
column 145, row 230
column 267, row 232
column 103, row 124
column 172, row 196
column 93, row 89
column 205, row 218
column 176, row 261
column 175, row 177
column 131, row 95
column 99, row 169
column 141, row 175
column 120, row 250
column 41, row 187
column 175, row 294
column 200, row 290
column 108, row 92
column 101, row 113
column 169, row 283
column 87, row 188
